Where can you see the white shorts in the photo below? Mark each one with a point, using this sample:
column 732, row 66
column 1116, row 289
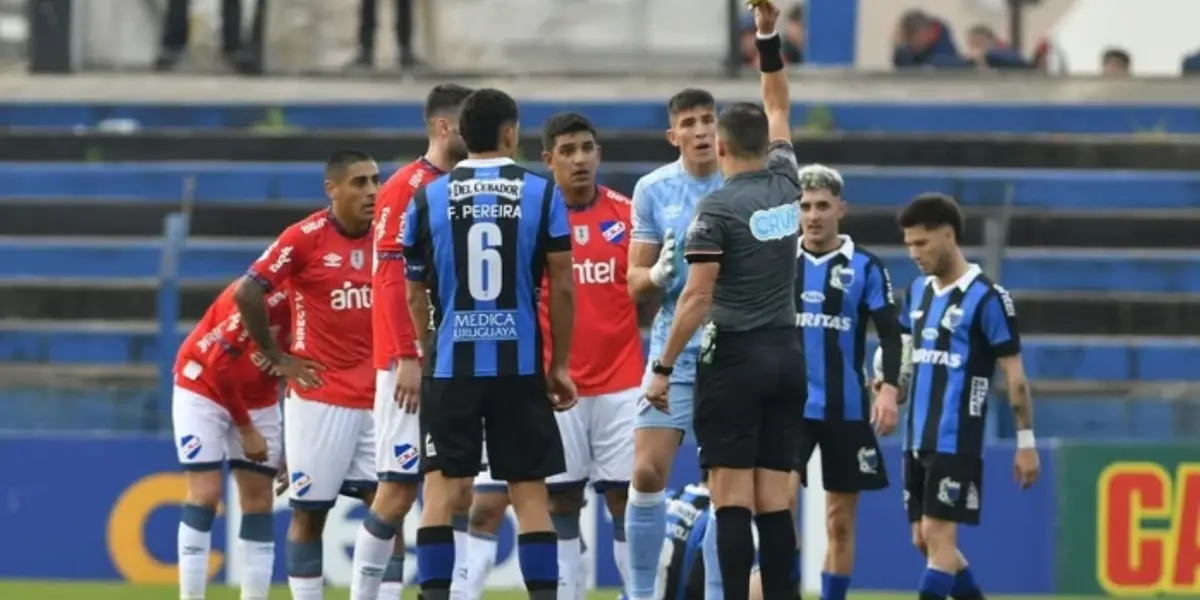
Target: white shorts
column 597, row 437
column 330, row 451
column 205, row 435
column 397, row 454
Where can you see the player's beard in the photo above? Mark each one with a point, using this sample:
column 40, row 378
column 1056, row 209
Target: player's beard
column 456, row 151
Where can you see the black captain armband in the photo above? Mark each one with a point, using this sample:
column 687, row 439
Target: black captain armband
column 770, row 52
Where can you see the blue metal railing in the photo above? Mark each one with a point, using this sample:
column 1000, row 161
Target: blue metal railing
column 175, row 232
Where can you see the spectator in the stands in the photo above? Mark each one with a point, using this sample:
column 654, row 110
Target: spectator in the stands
column 986, row 50
column 922, row 40
column 1191, row 64
column 793, row 35
column 1116, row 62
column 242, row 57
column 1049, row 58
column 368, row 22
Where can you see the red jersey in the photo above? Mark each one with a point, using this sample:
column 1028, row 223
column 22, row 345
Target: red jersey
column 393, row 334
column 606, row 351
column 219, row 361
column 328, row 274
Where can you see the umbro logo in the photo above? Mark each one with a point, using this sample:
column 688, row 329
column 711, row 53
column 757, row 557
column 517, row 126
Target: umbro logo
column 332, row 260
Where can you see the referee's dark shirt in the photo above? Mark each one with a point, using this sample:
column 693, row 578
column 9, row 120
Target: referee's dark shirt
column 750, row 225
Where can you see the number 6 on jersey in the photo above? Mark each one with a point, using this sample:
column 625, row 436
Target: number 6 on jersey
column 485, row 270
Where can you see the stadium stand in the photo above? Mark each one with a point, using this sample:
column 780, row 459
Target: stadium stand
column 1105, row 317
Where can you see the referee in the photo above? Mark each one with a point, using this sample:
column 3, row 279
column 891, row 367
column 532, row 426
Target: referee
column 750, row 385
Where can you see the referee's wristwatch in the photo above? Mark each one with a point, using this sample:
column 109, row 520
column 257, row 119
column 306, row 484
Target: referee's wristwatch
column 658, row 368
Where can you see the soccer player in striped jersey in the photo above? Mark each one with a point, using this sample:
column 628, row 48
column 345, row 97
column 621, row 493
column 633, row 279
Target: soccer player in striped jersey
column 664, row 203
column 378, row 570
column 962, row 324
column 477, row 242
column 840, row 287
column 606, row 360
column 225, row 408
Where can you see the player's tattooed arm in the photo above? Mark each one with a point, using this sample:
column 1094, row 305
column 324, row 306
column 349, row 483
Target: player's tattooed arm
column 1020, row 397
column 251, row 300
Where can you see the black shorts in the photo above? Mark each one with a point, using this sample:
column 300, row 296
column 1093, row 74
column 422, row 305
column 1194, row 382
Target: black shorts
column 850, row 458
column 750, row 390
column 523, row 442
column 948, row 487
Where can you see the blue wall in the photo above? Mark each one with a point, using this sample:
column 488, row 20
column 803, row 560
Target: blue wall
column 119, row 500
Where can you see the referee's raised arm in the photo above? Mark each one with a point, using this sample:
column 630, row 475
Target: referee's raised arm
column 776, row 103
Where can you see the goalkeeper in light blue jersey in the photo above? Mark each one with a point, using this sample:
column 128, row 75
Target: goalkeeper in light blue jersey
column 664, row 203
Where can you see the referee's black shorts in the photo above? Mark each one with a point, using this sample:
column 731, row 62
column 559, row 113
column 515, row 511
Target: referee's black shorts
column 523, row 442
column 749, row 407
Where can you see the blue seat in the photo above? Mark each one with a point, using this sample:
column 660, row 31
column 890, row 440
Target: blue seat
column 887, row 187
column 1046, row 358
column 872, row 117
column 225, row 259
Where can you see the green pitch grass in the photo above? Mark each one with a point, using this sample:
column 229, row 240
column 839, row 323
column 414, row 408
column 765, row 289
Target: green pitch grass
column 41, row 590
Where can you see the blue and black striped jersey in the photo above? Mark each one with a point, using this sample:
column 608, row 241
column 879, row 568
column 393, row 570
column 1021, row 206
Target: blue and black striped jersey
column 688, row 516
column 958, row 333
column 478, row 237
column 836, row 293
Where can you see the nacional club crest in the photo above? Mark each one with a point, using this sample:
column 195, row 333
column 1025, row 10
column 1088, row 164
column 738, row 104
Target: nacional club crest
column 612, row 231
column 357, row 259
column 581, row 235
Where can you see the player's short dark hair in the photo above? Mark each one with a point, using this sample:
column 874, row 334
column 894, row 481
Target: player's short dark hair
column 340, row 160
column 444, row 98
column 703, row 475
column 564, row 124
column 743, row 127
column 932, row 210
column 484, row 113
column 688, row 99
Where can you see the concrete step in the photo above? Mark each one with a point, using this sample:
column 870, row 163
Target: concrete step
column 135, row 299
column 208, row 259
column 221, row 183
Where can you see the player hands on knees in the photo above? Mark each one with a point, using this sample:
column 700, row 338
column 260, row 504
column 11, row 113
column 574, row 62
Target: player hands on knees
column 243, row 428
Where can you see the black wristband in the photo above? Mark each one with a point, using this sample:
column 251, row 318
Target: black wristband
column 770, row 53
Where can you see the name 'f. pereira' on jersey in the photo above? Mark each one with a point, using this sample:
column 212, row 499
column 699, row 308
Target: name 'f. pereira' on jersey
column 478, row 237
column 958, row 333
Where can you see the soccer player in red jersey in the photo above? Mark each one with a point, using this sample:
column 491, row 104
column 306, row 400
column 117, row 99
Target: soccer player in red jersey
column 225, row 407
column 606, row 355
column 325, row 260
column 378, row 568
